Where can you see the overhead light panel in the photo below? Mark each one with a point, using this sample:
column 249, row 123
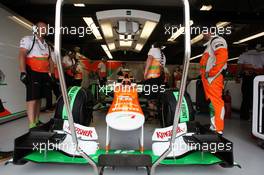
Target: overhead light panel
column 250, row 38
column 206, row 8
column 222, row 24
column 121, row 37
column 197, row 56
column 148, row 29
column 128, row 37
column 197, row 39
column 105, row 48
column 125, row 37
column 21, row 22
column 79, row 5
column 178, row 33
column 111, row 46
column 125, row 43
column 90, row 23
column 139, row 47
column 107, row 30
column 231, row 59
column 218, row 25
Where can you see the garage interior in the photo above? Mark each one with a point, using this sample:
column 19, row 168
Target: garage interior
column 244, row 17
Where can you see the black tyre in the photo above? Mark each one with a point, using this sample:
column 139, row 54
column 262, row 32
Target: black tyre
column 82, row 110
column 201, row 102
column 167, row 106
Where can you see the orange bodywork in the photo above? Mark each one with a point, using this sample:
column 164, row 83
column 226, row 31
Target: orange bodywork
column 125, row 99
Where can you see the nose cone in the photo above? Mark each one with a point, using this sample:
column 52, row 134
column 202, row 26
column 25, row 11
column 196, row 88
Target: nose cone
column 125, row 121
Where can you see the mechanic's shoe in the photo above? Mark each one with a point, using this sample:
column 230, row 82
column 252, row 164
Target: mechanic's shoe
column 32, row 125
column 5, row 156
column 219, row 133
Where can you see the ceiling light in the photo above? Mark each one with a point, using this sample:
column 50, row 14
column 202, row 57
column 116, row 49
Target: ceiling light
column 105, row 48
column 125, row 43
column 21, row 22
column 128, row 37
column 206, row 7
column 111, row 46
column 139, row 46
column 250, row 38
column 178, row 33
column 79, row 5
column 90, row 23
column 148, row 29
column 197, row 39
column 197, row 56
column 107, row 30
column 125, row 37
column 222, row 24
column 121, row 37
column 231, row 59
column 200, row 37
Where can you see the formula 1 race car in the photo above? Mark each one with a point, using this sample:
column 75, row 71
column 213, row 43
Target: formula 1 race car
column 67, row 138
column 52, row 142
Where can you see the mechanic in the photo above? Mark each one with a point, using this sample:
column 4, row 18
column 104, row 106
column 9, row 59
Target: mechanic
column 78, row 73
column 68, row 62
column 55, row 80
column 78, row 68
column 35, row 65
column 154, row 66
column 101, row 69
column 166, row 77
column 250, row 64
column 153, row 75
column 177, row 75
column 120, row 70
column 212, row 64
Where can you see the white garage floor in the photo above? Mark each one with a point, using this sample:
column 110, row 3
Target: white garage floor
column 246, row 152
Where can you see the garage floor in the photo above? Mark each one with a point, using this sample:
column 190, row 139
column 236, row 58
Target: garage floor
column 246, row 152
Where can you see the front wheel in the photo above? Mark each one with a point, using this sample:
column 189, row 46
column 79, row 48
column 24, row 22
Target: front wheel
column 167, row 106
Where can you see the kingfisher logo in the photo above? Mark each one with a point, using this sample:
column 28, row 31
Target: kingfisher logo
column 162, row 135
column 82, row 132
column 88, row 133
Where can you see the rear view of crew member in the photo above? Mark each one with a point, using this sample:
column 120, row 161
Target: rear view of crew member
column 212, row 64
column 154, row 75
column 249, row 65
column 101, row 69
column 35, row 66
column 68, row 62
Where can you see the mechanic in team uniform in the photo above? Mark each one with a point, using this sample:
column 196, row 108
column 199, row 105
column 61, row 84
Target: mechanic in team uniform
column 212, row 64
column 250, row 64
column 36, row 67
column 78, row 68
column 101, row 70
column 154, row 69
column 69, row 62
column 154, row 75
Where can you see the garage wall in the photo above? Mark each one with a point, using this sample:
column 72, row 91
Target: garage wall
column 12, row 91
